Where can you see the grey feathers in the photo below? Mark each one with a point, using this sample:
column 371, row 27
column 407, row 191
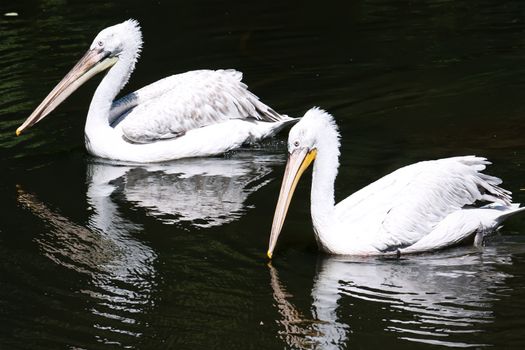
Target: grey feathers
column 182, row 102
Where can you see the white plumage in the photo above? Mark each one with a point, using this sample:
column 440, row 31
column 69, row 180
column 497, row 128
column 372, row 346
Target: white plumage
column 421, row 207
column 197, row 113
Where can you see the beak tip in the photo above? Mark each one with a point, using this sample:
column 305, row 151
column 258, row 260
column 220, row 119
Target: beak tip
column 269, row 254
column 18, row 132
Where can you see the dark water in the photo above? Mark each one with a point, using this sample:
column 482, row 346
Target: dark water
column 97, row 255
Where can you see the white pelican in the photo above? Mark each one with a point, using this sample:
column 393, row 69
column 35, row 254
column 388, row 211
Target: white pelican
column 197, row 113
column 421, row 207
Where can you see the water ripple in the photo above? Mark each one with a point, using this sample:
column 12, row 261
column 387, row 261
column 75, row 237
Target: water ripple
column 443, row 299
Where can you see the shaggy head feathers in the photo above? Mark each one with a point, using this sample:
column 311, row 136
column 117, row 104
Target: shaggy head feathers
column 122, row 37
column 315, row 127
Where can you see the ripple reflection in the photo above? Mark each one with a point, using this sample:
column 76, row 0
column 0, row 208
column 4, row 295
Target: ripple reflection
column 442, row 299
column 120, row 267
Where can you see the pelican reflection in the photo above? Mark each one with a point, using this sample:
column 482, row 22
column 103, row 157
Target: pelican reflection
column 197, row 192
column 443, row 299
column 120, row 268
column 122, row 277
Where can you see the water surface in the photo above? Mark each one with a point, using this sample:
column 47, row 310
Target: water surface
column 96, row 254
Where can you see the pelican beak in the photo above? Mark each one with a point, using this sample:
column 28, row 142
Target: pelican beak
column 298, row 161
column 94, row 61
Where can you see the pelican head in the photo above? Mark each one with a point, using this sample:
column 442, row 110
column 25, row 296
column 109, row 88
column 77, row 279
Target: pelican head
column 314, row 129
column 110, row 45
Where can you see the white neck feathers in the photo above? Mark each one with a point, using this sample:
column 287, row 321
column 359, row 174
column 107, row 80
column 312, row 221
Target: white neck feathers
column 324, row 172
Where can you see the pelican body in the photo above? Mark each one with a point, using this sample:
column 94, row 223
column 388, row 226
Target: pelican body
column 197, row 113
column 421, row 207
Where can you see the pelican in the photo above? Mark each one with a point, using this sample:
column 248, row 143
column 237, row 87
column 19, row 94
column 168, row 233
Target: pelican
column 197, row 113
column 421, row 207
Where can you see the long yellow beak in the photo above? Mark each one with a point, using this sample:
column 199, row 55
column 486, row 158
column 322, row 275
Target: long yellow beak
column 298, row 161
column 93, row 62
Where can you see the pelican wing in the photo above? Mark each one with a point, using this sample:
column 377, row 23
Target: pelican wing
column 406, row 205
column 187, row 101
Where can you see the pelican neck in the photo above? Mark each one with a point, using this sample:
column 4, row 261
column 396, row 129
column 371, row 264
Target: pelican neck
column 116, row 78
column 323, row 179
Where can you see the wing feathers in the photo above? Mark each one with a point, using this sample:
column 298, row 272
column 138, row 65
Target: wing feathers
column 406, row 205
column 177, row 104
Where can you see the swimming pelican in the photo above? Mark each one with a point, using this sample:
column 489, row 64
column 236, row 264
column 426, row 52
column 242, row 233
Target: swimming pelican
column 197, row 113
column 421, row 207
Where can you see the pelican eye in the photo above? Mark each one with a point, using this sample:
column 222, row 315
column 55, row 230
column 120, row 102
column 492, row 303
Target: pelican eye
column 296, row 143
column 100, row 43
